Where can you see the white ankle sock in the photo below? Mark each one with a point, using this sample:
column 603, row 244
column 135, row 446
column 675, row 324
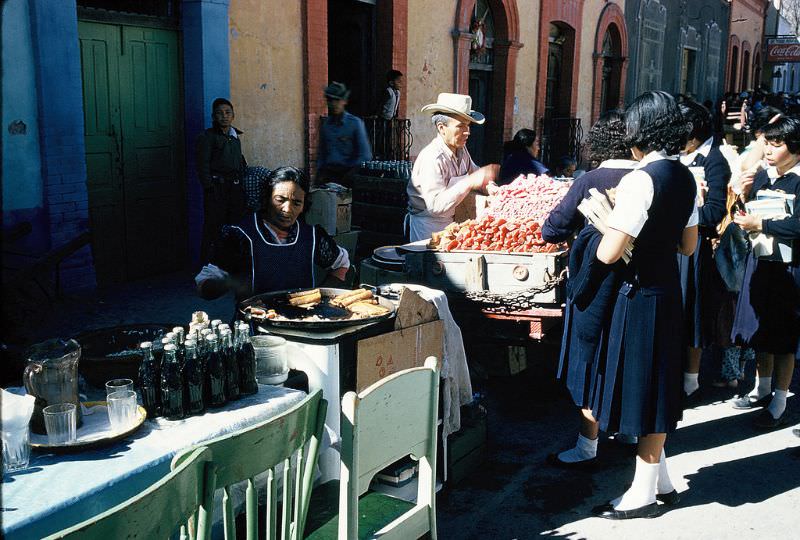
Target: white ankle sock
column 643, row 488
column 584, row 449
column 763, row 387
column 778, row 403
column 664, row 484
column 690, row 383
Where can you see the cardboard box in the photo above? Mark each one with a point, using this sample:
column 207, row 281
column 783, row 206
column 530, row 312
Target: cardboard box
column 330, row 208
column 388, row 353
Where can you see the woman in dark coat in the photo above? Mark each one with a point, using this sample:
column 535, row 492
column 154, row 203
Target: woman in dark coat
column 520, row 158
column 768, row 310
column 590, row 296
column 701, row 284
column 640, row 393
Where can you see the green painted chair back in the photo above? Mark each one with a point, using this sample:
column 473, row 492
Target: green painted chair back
column 286, row 448
column 158, row 511
column 391, row 419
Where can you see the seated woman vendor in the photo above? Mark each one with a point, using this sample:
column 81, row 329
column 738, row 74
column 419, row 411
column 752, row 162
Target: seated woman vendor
column 273, row 249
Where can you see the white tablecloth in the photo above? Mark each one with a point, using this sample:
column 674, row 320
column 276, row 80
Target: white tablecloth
column 57, row 491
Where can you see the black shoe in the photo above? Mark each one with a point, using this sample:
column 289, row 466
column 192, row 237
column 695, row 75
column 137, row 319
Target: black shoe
column 765, row 420
column 670, row 499
column 746, row 402
column 607, row 511
column 587, row 465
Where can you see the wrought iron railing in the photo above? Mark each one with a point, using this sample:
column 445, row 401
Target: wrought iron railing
column 559, row 137
column 390, row 139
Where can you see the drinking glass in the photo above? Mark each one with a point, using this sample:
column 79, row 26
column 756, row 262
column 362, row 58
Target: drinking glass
column 60, row 422
column 118, row 385
column 16, row 449
column 699, row 174
column 272, row 362
column 122, row 410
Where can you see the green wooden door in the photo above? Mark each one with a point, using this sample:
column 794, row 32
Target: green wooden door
column 144, row 231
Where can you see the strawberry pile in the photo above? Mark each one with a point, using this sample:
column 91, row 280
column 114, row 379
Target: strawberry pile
column 513, row 220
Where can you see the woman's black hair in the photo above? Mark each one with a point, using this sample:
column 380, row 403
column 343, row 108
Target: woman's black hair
column 284, row 174
column 524, row 138
column 786, row 130
column 762, row 117
column 606, row 138
column 698, row 120
column 654, row 122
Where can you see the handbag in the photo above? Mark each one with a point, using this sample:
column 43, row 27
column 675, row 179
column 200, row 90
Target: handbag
column 731, row 255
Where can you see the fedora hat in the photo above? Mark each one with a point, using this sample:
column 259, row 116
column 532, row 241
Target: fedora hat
column 337, row 90
column 459, row 105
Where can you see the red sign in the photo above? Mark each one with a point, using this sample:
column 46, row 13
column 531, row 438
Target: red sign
column 783, row 52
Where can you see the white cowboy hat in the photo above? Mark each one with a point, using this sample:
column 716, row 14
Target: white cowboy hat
column 457, row 104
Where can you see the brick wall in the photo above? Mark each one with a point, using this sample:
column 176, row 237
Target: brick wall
column 315, row 73
column 54, row 26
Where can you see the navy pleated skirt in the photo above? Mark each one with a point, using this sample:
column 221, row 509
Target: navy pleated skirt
column 767, row 314
column 701, row 289
column 642, row 390
column 591, row 292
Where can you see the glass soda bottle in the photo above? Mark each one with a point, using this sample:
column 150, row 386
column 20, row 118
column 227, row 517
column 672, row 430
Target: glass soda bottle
column 246, row 359
column 194, row 380
column 149, row 381
column 231, row 366
column 215, row 373
column 171, row 384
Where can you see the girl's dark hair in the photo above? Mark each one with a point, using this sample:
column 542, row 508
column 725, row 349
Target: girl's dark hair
column 698, row 120
column 284, row 174
column 606, row 138
column 524, row 138
column 786, row 130
column 762, row 117
column 654, row 122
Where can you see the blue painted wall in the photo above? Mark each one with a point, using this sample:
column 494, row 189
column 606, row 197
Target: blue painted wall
column 206, row 76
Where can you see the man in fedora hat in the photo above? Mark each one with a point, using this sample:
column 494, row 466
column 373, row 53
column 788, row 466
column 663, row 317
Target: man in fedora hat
column 343, row 143
column 444, row 172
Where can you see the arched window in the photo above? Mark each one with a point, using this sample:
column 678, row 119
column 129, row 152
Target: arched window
column 745, row 70
column 734, row 68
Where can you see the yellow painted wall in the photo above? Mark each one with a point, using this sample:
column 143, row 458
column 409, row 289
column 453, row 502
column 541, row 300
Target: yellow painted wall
column 431, row 59
column 527, row 64
column 266, row 51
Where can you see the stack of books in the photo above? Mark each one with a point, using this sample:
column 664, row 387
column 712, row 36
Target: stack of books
column 773, row 205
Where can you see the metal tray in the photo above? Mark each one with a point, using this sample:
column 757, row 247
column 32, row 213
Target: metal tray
column 336, row 317
column 100, row 436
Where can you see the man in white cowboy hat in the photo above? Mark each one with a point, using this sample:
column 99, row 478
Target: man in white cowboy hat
column 444, row 172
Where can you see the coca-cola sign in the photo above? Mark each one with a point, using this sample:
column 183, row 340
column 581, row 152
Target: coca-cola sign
column 783, row 50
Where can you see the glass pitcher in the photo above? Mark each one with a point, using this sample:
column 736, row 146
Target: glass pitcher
column 51, row 375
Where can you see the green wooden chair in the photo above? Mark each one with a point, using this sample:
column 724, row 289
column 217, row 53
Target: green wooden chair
column 286, row 448
column 391, row 419
column 158, row 511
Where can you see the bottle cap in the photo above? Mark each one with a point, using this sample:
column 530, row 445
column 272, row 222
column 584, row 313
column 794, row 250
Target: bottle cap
column 190, row 343
column 177, row 329
column 169, row 347
column 211, row 337
column 146, row 345
column 166, row 341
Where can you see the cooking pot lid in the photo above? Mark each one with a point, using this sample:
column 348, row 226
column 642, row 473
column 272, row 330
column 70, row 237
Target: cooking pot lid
column 388, row 254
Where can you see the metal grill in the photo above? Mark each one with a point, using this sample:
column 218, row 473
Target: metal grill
column 390, row 140
column 559, row 137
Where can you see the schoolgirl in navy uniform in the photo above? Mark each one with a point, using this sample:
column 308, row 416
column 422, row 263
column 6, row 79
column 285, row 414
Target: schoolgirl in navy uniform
column 768, row 310
column 701, row 283
column 641, row 391
column 590, row 294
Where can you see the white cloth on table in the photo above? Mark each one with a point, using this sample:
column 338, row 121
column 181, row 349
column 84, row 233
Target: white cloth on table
column 456, row 384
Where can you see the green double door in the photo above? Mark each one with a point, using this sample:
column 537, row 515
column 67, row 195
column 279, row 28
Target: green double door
column 134, row 150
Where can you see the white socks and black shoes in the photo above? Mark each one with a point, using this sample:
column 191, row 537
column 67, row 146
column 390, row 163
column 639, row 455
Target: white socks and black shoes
column 583, row 454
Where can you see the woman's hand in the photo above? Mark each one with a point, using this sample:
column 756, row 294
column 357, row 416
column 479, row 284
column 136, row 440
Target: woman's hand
column 748, row 222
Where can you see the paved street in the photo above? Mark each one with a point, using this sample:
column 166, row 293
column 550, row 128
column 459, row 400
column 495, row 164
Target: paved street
column 735, row 482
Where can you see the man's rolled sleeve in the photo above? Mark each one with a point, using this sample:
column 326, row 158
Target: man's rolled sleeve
column 441, row 198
